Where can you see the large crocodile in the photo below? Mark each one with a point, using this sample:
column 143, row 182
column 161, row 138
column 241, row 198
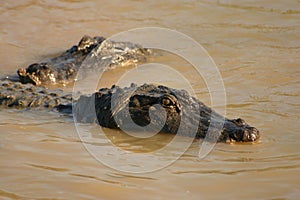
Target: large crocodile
column 111, row 107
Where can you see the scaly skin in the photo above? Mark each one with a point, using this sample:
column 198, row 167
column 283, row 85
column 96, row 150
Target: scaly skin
column 91, row 53
column 172, row 111
column 20, row 96
column 140, row 100
column 180, row 108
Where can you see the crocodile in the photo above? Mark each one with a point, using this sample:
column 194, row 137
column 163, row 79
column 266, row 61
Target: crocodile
column 159, row 107
column 140, row 100
column 173, row 111
column 93, row 53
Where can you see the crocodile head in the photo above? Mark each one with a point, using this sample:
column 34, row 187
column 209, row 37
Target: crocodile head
column 92, row 54
column 237, row 130
column 61, row 69
column 173, row 111
column 37, row 74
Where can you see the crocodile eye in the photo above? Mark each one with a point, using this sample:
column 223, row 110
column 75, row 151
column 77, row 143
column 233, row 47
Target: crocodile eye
column 170, row 101
column 166, row 102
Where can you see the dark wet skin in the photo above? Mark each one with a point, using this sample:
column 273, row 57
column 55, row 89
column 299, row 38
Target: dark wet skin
column 20, row 96
column 100, row 53
column 175, row 103
column 181, row 112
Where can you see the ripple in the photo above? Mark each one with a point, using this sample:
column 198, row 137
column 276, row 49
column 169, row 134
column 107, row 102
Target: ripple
column 119, row 175
column 262, row 27
column 259, row 9
column 102, row 180
column 10, row 195
column 240, row 105
column 240, row 171
column 57, row 169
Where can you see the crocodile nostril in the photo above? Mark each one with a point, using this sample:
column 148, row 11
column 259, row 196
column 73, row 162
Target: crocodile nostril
column 253, row 134
column 252, row 137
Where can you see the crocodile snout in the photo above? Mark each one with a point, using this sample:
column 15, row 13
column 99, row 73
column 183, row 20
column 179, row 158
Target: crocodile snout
column 251, row 134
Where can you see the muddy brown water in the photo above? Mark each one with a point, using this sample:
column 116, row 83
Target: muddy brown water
column 256, row 46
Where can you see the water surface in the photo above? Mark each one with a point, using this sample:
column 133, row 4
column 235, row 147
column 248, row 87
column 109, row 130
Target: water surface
column 256, row 47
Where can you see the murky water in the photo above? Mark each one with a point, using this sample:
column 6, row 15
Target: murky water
column 256, row 46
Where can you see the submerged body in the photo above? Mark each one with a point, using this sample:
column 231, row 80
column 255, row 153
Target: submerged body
column 172, row 111
column 91, row 53
column 158, row 107
column 108, row 107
